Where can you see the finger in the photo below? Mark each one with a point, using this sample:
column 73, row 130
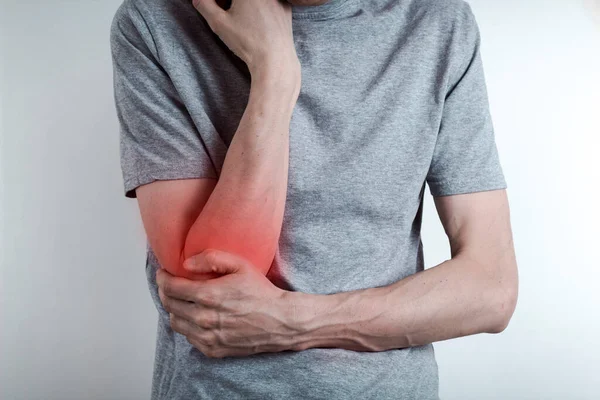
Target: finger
column 177, row 287
column 210, row 10
column 213, row 260
column 197, row 344
column 193, row 335
column 208, row 351
column 181, row 308
column 183, row 326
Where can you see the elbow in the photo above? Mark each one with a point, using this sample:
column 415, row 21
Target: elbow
column 503, row 305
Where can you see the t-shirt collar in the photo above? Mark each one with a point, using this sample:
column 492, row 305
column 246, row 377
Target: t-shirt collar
column 323, row 11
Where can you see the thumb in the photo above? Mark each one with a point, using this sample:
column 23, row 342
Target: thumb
column 210, row 10
column 213, row 260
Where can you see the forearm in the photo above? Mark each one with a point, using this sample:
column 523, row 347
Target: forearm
column 456, row 298
column 245, row 210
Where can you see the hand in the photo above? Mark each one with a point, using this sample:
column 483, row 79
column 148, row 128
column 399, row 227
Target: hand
column 258, row 31
column 239, row 313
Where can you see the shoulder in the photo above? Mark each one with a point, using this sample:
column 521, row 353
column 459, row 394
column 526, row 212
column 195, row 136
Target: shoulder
column 441, row 21
column 451, row 13
column 129, row 19
column 150, row 9
column 453, row 23
column 451, row 10
column 154, row 15
column 156, row 24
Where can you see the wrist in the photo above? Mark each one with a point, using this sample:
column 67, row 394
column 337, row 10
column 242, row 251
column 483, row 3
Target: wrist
column 299, row 312
column 339, row 320
column 274, row 98
column 283, row 77
column 311, row 320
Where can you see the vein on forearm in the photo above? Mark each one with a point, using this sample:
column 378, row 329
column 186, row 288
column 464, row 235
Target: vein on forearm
column 459, row 297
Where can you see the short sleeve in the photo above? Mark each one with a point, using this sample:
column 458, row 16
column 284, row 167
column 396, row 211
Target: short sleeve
column 465, row 158
column 158, row 138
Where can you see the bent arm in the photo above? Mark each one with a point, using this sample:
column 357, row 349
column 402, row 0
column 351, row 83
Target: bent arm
column 245, row 210
column 242, row 212
column 473, row 292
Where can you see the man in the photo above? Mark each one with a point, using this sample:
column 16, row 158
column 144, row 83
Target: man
column 308, row 282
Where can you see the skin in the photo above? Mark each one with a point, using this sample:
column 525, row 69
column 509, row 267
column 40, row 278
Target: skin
column 474, row 292
column 240, row 312
column 242, row 212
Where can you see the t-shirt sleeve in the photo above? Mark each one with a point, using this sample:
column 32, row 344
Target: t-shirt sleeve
column 158, row 138
column 465, row 158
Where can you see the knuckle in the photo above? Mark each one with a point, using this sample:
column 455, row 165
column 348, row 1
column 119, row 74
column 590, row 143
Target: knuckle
column 211, row 256
column 207, row 320
column 215, row 353
column 173, row 321
column 209, row 300
column 197, row 296
column 216, row 21
column 198, row 345
column 166, row 288
column 199, row 320
column 208, row 297
column 208, row 339
column 166, row 304
column 178, row 326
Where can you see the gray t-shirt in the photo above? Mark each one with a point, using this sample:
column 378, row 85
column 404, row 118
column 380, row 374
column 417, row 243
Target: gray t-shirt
column 393, row 97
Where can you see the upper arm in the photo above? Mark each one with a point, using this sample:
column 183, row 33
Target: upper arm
column 477, row 224
column 164, row 160
column 168, row 209
column 465, row 158
column 465, row 176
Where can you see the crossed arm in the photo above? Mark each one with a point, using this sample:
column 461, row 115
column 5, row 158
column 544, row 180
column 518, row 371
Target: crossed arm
column 473, row 292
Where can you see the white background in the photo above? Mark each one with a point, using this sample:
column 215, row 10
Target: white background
column 77, row 318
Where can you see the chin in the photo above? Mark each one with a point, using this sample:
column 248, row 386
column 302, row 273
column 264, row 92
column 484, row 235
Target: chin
column 307, row 2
